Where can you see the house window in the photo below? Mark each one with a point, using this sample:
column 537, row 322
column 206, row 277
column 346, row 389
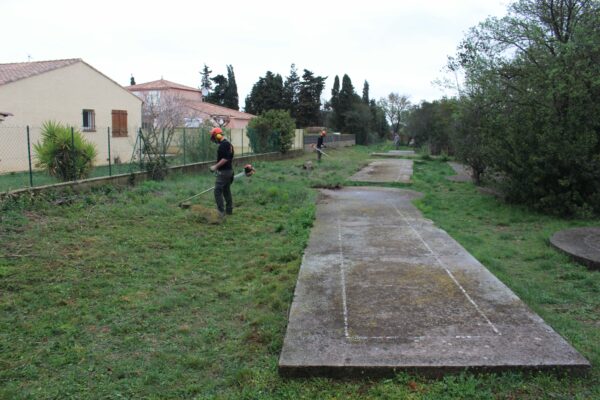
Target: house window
column 119, row 123
column 89, row 121
column 192, row 122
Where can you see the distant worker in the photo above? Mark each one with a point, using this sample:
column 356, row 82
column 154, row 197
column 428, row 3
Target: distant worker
column 320, row 144
column 397, row 140
column 224, row 171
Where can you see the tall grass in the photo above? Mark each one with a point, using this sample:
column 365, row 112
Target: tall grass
column 118, row 293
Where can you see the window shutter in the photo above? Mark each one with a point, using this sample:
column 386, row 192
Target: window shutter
column 119, row 122
column 115, row 123
column 124, row 123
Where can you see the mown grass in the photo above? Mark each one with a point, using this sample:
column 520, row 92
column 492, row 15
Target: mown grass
column 121, row 294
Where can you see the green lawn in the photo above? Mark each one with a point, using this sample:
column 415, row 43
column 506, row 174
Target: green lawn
column 119, row 293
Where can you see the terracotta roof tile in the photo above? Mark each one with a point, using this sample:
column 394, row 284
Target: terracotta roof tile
column 16, row 71
column 160, row 84
column 213, row 109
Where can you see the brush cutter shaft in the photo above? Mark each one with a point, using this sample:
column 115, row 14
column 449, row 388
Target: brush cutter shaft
column 209, row 189
column 322, row 152
column 196, row 195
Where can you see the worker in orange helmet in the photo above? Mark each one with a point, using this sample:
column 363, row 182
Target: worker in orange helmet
column 224, row 171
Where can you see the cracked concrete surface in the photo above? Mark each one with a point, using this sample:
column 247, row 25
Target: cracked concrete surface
column 381, row 289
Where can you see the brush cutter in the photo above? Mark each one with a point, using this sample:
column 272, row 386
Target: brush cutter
column 320, row 151
column 248, row 171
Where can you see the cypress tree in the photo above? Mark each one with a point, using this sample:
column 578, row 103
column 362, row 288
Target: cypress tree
column 335, row 94
column 230, row 96
column 309, row 106
column 291, row 91
column 205, row 82
column 346, row 98
column 365, row 94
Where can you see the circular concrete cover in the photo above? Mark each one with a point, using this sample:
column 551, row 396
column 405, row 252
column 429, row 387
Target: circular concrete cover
column 583, row 244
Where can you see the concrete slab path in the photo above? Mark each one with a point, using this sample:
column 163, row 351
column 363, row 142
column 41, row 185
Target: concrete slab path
column 396, row 153
column 381, row 289
column 463, row 172
column 390, row 170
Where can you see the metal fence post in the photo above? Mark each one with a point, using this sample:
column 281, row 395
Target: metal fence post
column 140, row 137
column 29, row 157
column 183, row 146
column 162, row 139
column 74, row 172
column 109, row 156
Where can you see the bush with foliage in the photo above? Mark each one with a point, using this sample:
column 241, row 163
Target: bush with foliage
column 432, row 124
column 536, row 72
column 64, row 153
column 358, row 121
column 273, row 130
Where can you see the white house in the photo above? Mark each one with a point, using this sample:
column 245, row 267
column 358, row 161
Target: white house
column 70, row 92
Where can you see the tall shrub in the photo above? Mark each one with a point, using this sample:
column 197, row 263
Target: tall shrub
column 272, row 130
column 64, row 153
column 536, row 70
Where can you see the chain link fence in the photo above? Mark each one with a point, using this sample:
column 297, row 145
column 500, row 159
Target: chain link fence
column 116, row 154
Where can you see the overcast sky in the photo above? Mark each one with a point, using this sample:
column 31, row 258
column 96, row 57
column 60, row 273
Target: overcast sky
column 397, row 46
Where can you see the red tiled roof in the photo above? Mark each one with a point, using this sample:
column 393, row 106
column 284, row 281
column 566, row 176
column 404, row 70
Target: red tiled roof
column 17, row 71
column 213, row 109
column 160, row 84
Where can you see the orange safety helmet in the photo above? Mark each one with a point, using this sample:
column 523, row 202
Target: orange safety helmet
column 323, row 132
column 216, row 134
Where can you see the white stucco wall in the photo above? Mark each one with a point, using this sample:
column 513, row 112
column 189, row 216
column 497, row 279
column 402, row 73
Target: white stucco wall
column 61, row 95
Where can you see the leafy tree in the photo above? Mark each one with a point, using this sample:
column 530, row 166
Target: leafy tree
column 291, row 91
column 309, row 99
column 64, row 153
column 358, row 121
column 266, row 94
column 132, row 80
column 432, row 124
column 217, row 96
column 272, row 130
column 380, row 124
column 396, row 109
column 537, row 71
column 230, row 96
column 469, row 135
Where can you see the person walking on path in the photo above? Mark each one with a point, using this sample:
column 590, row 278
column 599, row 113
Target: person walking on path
column 397, row 140
column 224, row 171
column 320, row 144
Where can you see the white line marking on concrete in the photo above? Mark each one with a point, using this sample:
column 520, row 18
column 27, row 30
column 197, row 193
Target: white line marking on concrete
column 343, row 275
column 448, row 272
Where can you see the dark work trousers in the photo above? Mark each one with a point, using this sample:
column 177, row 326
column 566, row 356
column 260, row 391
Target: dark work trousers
column 319, row 154
column 223, row 189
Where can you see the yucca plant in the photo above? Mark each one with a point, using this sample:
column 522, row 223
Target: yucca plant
column 65, row 156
